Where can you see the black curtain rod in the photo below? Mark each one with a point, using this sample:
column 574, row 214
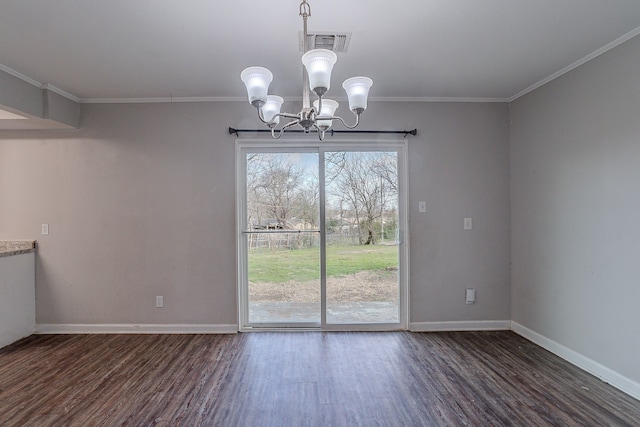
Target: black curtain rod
column 413, row 132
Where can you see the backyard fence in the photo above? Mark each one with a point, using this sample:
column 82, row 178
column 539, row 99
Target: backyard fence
column 290, row 240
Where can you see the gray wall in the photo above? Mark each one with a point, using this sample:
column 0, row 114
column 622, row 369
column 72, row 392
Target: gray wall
column 141, row 202
column 575, row 191
column 459, row 165
column 20, row 95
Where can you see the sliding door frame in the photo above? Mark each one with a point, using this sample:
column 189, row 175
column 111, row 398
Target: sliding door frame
column 335, row 144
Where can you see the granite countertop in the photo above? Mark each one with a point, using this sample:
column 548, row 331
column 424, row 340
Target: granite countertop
column 16, row 247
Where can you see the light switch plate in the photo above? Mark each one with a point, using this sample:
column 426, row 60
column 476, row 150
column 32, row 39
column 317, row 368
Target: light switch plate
column 471, row 296
column 422, row 207
column 468, row 224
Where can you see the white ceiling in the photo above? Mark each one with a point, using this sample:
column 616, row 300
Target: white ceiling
column 413, row 49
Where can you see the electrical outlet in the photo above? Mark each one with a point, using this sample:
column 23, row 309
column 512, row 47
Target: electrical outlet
column 159, row 301
column 45, row 229
column 468, row 223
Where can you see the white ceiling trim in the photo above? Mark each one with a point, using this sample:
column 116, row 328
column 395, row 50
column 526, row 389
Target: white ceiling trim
column 21, row 76
column 60, row 92
column 37, row 84
column 617, row 42
column 436, row 99
column 287, row 99
column 161, row 100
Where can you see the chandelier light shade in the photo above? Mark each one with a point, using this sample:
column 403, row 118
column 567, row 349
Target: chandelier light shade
column 319, row 63
column 319, row 116
column 357, row 89
column 257, row 80
column 329, row 107
column 271, row 109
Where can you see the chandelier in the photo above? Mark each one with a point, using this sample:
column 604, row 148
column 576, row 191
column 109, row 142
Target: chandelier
column 318, row 64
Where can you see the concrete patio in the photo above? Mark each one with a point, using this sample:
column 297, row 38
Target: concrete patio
column 344, row 312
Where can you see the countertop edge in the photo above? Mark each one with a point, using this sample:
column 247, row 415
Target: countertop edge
column 17, row 247
column 18, row 252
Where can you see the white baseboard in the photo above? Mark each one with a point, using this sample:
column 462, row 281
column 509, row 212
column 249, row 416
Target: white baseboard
column 607, row 375
column 114, row 328
column 478, row 325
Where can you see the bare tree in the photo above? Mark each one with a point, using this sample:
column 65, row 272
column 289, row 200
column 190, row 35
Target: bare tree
column 386, row 166
column 254, row 167
column 335, row 162
column 307, row 206
column 363, row 185
column 279, row 188
column 359, row 179
column 275, row 189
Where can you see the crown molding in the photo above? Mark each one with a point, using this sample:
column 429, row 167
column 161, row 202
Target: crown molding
column 436, row 99
column 60, row 92
column 604, row 49
column 37, row 84
column 161, row 100
column 20, row 76
column 287, row 99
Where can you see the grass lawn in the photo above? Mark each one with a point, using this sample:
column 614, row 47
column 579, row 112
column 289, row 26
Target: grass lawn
column 304, row 264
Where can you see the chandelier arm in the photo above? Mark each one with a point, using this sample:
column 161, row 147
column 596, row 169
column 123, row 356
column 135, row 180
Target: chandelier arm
column 341, row 120
column 271, row 123
column 260, row 116
column 281, row 132
column 273, row 133
column 288, row 115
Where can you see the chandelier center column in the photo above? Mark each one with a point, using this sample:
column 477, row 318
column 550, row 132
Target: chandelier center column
column 305, row 12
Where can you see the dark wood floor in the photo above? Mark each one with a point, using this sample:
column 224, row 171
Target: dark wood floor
column 300, row 379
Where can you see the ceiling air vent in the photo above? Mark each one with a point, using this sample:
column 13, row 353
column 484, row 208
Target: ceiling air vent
column 336, row 42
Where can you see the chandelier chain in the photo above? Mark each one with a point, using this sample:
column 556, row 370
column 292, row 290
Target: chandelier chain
column 305, row 9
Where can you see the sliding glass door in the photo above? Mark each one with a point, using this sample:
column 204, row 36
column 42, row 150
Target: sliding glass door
column 362, row 237
column 281, row 233
column 320, row 236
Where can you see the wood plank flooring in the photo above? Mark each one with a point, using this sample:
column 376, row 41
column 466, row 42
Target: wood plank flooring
column 300, row 379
